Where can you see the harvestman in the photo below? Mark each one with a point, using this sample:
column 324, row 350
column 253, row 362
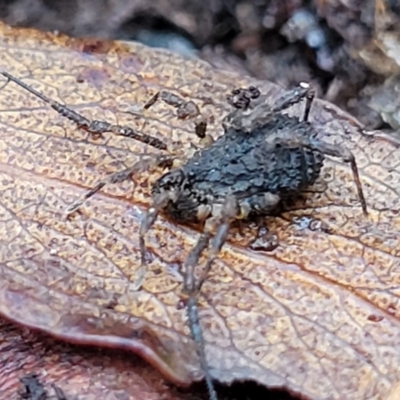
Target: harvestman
column 262, row 157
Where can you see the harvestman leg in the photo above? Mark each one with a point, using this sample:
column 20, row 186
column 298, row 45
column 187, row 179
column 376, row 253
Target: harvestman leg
column 294, row 96
column 347, row 156
column 160, row 201
column 95, row 127
column 185, row 110
column 150, row 162
column 220, row 224
column 247, row 118
column 307, row 92
column 241, row 98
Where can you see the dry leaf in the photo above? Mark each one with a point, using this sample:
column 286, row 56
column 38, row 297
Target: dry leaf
column 89, row 374
column 317, row 315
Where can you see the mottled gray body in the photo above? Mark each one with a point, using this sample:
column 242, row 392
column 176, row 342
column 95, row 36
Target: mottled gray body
column 246, row 165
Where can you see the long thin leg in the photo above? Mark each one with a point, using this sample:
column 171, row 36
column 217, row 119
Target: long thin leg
column 247, row 118
column 197, row 335
column 152, row 161
column 193, row 260
column 159, row 202
column 185, row 110
column 219, row 239
column 219, row 223
column 347, row 156
column 94, row 127
column 192, row 309
column 303, row 91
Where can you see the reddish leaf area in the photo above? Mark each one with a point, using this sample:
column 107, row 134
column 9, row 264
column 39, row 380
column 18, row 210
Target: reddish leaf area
column 87, row 374
column 318, row 315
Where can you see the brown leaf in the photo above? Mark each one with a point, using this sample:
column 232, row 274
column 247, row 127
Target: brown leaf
column 88, row 374
column 318, row 315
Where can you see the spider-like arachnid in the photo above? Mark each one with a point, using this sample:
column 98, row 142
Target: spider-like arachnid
column 262, row 157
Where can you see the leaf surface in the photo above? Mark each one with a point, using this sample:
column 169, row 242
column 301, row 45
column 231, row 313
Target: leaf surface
column 87, row 374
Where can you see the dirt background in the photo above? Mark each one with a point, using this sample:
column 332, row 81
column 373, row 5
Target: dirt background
column 347, row 49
